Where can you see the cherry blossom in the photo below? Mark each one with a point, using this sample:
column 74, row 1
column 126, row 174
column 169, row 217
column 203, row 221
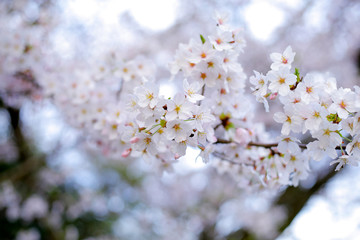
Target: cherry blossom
column 179, row 107
column 344, row 101
column 284, row 59
column 281, row 80
column 191, row 91
column 117, row 105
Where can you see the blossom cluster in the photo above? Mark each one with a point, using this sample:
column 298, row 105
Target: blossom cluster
column 312, row 104
column 210, row 68
column 95, row 101
column 168, row 124
column 213, row 62
column 118, row 107
column 22, row 55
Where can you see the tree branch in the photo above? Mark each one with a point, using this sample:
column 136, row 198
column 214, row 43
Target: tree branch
column 294, row 199
column 267, row 145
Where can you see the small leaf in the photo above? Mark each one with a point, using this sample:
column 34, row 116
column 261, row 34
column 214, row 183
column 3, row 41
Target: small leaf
column 334, row 118
column 297, row 73
column 229, row 126
column 202, row 39
column 163, row 123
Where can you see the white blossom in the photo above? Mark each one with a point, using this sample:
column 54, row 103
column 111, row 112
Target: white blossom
column 282, row 60
column 281, row 80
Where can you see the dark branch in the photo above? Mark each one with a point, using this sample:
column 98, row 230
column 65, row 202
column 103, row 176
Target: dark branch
column 294, row 199
column 267, row 145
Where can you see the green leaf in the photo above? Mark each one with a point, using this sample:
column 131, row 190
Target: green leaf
column 163, row 123
column 225, row 116
column 229, row 126
column 334, row 118
column 297, row 73
column 202, row 39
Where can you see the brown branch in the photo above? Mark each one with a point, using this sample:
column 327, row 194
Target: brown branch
column 217, row 126
column 267, row 145
column 18, row 136
column 23, row 169
column 294, row 199
column 27, row 159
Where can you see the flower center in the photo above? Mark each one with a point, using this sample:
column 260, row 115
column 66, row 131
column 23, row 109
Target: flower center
column 342, row 104
column 327, row 132
column 177, row 127
column 178, row 108
column 282, row 80
column 203, row 76
column 147, row 141
column 150, row 96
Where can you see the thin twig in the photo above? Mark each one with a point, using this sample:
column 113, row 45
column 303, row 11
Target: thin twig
column 267, row 145
column 118, row 93
column 223, row 158
column 202, row 93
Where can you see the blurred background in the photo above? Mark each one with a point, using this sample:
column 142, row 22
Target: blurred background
column 56, row 184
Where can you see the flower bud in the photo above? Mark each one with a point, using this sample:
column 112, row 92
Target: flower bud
column 134, row 140
column 273, row 96
column 242, row 136
column 126, row 153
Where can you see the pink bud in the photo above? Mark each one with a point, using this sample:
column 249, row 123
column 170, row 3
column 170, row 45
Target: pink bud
column 273, row 96
column 134, row 140
column 242, row 136
column 126, row 153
